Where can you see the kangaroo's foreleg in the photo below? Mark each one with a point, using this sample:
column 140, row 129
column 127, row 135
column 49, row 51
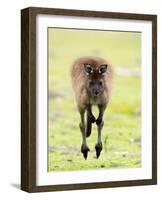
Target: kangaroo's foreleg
column 84, row 147
column 100, row 124
column 101, row 113
column 90, row 119
column 90, row 115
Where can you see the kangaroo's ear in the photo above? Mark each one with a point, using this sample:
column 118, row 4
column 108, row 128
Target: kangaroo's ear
column 88, row 68
column 102, row 69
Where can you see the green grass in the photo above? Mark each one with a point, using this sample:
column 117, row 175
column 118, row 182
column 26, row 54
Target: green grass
column 121, row 133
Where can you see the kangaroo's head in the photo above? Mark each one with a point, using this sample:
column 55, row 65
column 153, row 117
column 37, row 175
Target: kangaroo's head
column 95, row 83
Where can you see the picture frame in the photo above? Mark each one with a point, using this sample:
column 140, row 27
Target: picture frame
column 29, row 98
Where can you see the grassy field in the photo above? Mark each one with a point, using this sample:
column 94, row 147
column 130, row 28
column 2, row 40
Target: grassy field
column 121, row 133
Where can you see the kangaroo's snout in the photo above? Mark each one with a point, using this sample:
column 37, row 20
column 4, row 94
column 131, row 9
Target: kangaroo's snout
column 95, row 88
column 96, row 92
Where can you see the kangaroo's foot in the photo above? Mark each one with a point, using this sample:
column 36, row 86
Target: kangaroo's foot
column 98, row 148
column 84, row 150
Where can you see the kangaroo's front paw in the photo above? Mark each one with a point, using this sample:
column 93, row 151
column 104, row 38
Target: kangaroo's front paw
column 92, row 119
column 99, row 121
column 98, row 148
column 84, row 150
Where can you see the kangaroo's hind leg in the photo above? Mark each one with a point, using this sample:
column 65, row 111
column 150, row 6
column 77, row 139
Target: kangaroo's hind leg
column 84, row 147
column 98, row 145
column 100, row 124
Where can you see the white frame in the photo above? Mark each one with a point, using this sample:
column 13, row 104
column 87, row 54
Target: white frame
column 53, row 178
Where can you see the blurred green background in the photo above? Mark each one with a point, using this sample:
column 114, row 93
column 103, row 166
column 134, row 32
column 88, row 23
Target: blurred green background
column 121, row 133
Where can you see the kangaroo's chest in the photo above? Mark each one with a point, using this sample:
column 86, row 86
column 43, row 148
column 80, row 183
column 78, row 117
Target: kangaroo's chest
column 95, row 100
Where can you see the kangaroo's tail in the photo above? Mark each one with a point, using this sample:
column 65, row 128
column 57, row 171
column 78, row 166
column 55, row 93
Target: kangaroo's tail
column 88, row 126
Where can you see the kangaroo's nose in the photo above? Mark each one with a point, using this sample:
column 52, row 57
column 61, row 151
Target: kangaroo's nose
column 96, row 92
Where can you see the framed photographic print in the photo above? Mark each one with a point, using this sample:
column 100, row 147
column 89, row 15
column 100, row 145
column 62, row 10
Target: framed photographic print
column 88, row 99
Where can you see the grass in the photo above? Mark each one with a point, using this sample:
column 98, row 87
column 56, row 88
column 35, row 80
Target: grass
column 121, row 135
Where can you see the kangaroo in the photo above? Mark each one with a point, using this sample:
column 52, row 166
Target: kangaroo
column 92, row 84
